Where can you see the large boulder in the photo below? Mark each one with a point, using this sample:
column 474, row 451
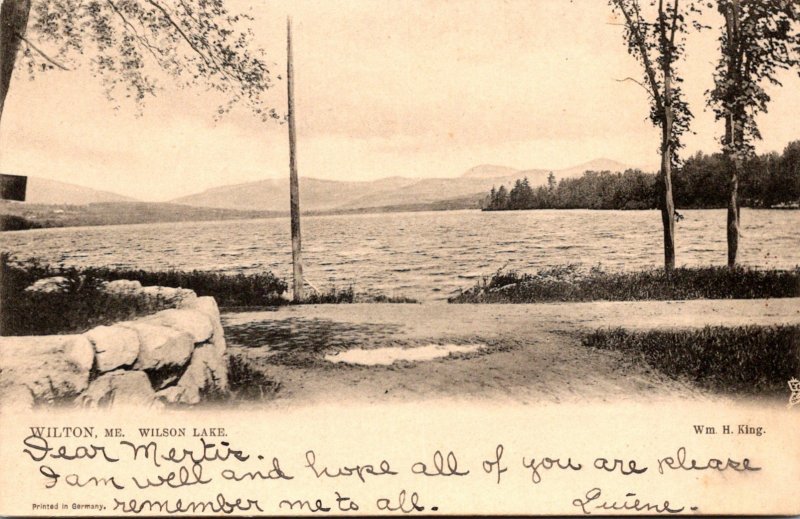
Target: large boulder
column 49, row 285
column 122, row 286
column 160, row 346
column 208, row 306
column 16, row 397
column 169, row 295
column 195, row 323
column 120, row 388
column 115, row 346
column 51, row 367
column 207, row 373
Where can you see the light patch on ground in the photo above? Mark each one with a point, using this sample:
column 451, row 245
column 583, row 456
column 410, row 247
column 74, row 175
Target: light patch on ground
column 388, row 355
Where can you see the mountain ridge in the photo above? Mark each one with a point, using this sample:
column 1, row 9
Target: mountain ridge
column 324, row 195
column 272, row 194
column 41, row 190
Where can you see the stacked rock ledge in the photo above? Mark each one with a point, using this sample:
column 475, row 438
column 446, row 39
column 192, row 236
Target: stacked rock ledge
column 175, row 356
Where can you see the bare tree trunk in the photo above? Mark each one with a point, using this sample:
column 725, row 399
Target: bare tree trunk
column 735, row 167
column 13, row 22
column 733, row 219
column 294, row 188
column 734, row 131
column 667, row 204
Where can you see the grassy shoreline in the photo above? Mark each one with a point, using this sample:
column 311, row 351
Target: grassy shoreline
column 570, row 283
column 81, row 303
column 742, row 359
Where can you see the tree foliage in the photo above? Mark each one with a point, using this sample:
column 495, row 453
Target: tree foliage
column 656, row 41
column 768, row 180
column 632, row 189
column 126, row 42
column 759, row 39
column 658, row 44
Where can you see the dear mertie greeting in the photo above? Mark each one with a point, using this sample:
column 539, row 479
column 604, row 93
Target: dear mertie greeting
column 179, row 471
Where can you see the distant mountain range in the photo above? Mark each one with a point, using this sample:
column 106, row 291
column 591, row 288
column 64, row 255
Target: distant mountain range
column 489, row 171
column 326, row 196
column 334, row 195
column 46, row 191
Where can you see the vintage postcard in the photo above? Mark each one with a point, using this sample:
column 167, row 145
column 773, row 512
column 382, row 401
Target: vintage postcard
column 419, row 257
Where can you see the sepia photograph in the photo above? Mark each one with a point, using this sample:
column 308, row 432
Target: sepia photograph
column 373, row 225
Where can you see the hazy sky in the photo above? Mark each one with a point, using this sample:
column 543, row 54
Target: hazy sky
column 412, row 88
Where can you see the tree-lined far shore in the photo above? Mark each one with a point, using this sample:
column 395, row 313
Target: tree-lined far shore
column 701, row 182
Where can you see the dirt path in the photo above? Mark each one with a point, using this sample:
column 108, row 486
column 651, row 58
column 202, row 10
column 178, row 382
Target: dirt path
column 528, row 353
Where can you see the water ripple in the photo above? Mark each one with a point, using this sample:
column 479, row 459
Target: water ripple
column 420, row 255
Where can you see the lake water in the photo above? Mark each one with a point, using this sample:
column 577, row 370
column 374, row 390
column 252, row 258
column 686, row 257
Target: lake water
column 426, row 255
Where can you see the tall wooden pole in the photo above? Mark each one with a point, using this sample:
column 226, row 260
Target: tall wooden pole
column 294, row 188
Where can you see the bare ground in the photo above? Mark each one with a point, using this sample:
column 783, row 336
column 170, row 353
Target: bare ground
column 533, row 352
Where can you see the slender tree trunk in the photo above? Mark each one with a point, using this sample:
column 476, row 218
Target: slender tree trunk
column 294, row 188
column 734, row 130
column 667, row 204
column 13, row 22
column 735, row 168
column 733, row 218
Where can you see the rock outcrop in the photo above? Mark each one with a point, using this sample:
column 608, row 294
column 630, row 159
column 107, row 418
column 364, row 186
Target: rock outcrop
column 51, row 367
column 49, row 285
column 175, row 356
column 114, row 346
column 120, row 387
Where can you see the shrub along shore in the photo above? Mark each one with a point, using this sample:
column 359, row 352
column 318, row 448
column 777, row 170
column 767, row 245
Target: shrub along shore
column 742, row 359
column 81, row 303
column 570, row 283
column 748, row 359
